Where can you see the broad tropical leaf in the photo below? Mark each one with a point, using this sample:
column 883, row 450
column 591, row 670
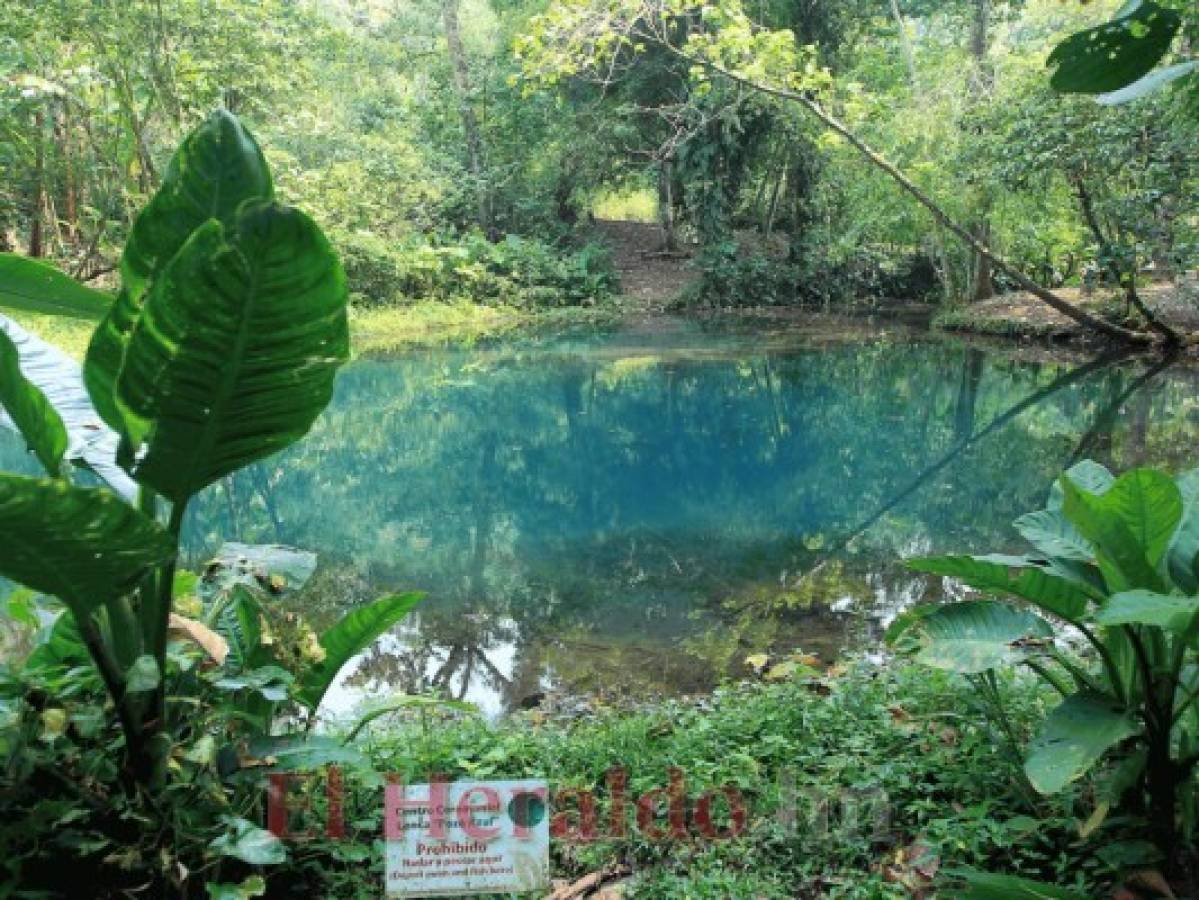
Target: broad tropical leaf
column 1088, row 475
column 990, row 886
column 1019, row 576
column 1073, row 737
column 236, row 350
column 271, row 567
column 1180, row 558
column 303, row 753
column 1117, row 53
column 977, row 635
column 1152, row 82
column 1051, row 532
column 218, row 167
column 90, row 442
column 82, row 545
column 246, row 841
column 348, row 638
column 60, row 645
column 30, row 411
column 1168, row 611
column 1131, row 525
column 32, row 286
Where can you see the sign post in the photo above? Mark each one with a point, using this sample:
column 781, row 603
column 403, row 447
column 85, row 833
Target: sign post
column 468, row 837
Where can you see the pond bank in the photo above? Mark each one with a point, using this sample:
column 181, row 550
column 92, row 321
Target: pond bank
column 1020, row 316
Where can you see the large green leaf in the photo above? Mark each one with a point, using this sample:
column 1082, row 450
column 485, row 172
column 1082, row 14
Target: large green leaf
column 270, row 567
column 82, row 545
column 978, row 885
column 236, row 350
column 1051, row 533
column 348, row 638
column 1184, row 547
column 1117, row 53
column 1168, row 611
column 33, row 286
column 977, row 635
column 246, row 841
column 30, row 411
column 90, row 442
column 1088, row 475
column 59, row 645
column 1073, row 737
column 1131, row 525
column 1015, row 575
column 304, row 753
column 218, row 167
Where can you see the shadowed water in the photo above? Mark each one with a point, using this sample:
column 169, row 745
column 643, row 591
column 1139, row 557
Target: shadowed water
column 633, row 514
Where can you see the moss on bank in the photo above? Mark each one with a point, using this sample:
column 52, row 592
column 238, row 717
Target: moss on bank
column 381, row 328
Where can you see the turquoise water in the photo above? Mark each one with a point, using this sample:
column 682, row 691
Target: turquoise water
column 634, row 513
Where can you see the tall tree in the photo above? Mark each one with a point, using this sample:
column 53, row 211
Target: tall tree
column 475, row 158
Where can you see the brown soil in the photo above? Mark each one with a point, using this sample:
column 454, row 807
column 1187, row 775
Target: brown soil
column 649, row 279
column 1023, row 314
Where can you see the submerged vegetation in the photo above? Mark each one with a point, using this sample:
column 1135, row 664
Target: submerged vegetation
column 721, row 508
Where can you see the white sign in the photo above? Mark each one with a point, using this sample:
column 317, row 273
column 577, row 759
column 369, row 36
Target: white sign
column 466, row 837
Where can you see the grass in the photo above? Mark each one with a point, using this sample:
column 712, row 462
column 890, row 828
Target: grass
column 631, row 205
column 69, row 334
column 376, row 329
column 866, row 741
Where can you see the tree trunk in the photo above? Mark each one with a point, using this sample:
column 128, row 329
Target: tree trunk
column 982, row 285
column 670, row 241
column 982, row 281
column 1127, row 280
column 909, row 56
column 475, row 159
column 37, row 201
column 875, row 159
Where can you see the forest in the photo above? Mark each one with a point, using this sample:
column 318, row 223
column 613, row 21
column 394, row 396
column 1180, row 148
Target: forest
column 757, row 435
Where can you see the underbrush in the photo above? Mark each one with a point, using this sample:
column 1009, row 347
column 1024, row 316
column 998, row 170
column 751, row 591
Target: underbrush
column 519, row 272
column 730, row 278
column 867, row 783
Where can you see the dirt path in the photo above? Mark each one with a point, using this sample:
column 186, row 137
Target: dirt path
column 650, row 281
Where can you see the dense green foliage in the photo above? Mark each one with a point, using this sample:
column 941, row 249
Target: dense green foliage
column 420, row 134
column 814, row 154
column 1115, row 563
column 220, row 349
column 893, row 777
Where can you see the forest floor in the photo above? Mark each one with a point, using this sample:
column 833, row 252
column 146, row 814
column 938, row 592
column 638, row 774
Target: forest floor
column 648, row 279
column 1021, row 315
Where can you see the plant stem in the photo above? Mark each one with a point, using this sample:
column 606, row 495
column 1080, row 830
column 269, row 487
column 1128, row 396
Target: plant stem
column 161, row 615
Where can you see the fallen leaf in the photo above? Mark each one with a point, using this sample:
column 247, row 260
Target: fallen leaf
column 212, row 643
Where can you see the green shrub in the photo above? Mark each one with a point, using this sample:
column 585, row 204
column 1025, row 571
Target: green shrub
column 515, row 271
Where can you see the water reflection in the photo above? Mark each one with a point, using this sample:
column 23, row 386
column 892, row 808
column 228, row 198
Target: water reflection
column 634, row 513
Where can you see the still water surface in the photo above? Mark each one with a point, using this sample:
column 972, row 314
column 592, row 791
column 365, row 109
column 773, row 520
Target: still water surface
column 631, row 514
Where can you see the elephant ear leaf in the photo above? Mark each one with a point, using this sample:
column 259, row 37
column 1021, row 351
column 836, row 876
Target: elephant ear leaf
column 82, row 545
column 1015, row 575
column 236, row 350
column 1073, row 738
column 1131, row 525
column 218, row 167
column 975, row 636
column 348, row 638
column 1117, row 53
column 30, row 411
